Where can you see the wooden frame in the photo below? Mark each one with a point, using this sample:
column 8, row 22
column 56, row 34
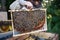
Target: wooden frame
column 44, row 28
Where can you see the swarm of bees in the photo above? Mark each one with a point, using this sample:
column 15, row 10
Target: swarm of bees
column 27, row 21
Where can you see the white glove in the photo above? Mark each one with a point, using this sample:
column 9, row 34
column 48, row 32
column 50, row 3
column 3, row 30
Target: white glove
column 29, row 4
column 23, row 2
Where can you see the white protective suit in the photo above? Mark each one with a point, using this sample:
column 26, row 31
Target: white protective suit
column 16, row 4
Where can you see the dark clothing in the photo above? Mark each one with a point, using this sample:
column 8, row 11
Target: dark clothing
column 33, row 2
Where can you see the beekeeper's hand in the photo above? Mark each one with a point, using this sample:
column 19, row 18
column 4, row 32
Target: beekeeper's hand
column 29, row 5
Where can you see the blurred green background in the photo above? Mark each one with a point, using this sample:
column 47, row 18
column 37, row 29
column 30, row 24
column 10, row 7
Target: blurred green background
column 53, row 14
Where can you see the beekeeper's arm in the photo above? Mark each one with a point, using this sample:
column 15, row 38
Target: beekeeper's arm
column 22, row 2
column 15, row 5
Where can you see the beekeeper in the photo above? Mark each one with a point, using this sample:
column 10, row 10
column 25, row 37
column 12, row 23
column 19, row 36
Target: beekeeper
column 17, row 5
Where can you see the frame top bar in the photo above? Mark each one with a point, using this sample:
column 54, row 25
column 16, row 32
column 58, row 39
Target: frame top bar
column 27, row 10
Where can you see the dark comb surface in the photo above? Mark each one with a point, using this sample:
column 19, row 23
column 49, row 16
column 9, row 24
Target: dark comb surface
column 27, row 21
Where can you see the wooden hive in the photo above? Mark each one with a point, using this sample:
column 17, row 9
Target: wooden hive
column 5, row 26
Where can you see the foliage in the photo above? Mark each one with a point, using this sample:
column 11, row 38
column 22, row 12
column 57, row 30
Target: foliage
column 54, row 21
column 8, row 2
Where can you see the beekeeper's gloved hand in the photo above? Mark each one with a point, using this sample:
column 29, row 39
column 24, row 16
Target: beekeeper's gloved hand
column 28, row 4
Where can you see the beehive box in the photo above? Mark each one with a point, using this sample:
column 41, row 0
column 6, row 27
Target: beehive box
column 37, row 36
column 5, row 26
column 25, row 22
column 5, row 29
